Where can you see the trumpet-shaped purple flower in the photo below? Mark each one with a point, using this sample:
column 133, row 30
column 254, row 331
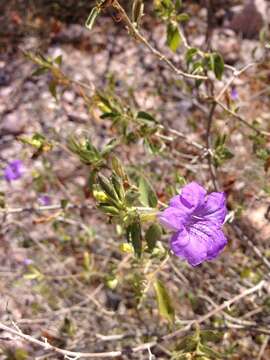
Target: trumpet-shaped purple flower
column 196, row 218
column 14, row 170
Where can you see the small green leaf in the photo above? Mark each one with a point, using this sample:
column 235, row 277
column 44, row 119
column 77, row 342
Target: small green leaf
column 146, row 116
column 33, row 274
column 109, row 210
column 217, row 65
column 110, row 146
column 190, row 55
column 86, row 261
column 118, row 186
column 39, row 71
column 118, row 168
column 64, row 203
column 173, row 36
column 165, row 307
column 183, row 17
column 107, row 187
column 147, row 194
column 58, row 60
column 153, row 234
column 112, row 282
column 92, row 18
column 178, row 5
column 52, row 89
column 134, row 236
column 131, row 196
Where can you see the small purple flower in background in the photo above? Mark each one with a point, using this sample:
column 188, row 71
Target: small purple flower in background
column 27, row 262
column 14, row 170
column 234, row 94
column 196, row 219
column 44, row 200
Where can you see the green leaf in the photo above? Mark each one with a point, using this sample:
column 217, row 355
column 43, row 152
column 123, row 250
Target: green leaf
column 153, row 234
column 87, row 153
column 134, row 236
column 86, row 261
column 33, row 274
column 173, row 36
column 217, row 65
column 52, row 89
column 64, row 203
column 109, row 210
column 183, row 17
column 110, row 146
column 92, row 18
column 39, row 71
column 165, row 307
column 131, row 197
column 38, row 141
column 107, row 187
column 178, row 5
column 146, row 116
column 118, row 168
column 190, row 55
column 118, row 186
column 147, row 194
column 58, row 60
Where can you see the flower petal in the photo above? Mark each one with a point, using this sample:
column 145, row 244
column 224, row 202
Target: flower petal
column 214, row 208
column 195, row 252
column 172, row 218
column 14, row 170
column 176, row 201
column 212, row 237
column 217, row 245
column 179, row 240
column 192, row 195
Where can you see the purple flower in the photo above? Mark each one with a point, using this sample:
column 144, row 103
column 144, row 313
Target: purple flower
column 27, row 262
column 234, row 94
column 196, row 220
column 45, row 200
column 14, row 170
